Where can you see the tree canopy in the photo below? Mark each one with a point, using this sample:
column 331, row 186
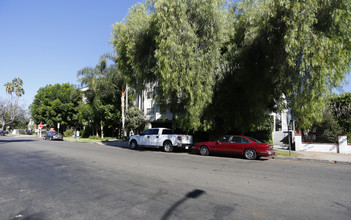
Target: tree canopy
column 56, row 104
column 224, row 65
column 341, row 107
column 135, row 119
column 176, row 44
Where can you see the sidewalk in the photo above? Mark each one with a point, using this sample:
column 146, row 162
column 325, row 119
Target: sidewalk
column 321, row 157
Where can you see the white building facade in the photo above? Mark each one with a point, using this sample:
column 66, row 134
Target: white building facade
column 146, row 102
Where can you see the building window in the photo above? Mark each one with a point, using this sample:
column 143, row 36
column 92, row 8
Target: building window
column 149, row 111
column 149, row 95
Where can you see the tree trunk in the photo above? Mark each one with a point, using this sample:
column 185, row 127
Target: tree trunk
column 123, row 111
column 102, row 131
column 2, row 125
column 97, row 130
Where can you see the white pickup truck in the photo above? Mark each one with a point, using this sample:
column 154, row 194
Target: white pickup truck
column 161, row 138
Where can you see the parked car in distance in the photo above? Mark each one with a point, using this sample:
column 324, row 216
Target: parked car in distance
column 248, row 147
column 162, row 138
column 53, row 136
column 2, row 133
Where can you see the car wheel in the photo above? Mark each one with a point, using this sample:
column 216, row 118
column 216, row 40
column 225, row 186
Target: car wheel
column 250, row 154
column 204, row 151
column 167, row 146
column 133, row 145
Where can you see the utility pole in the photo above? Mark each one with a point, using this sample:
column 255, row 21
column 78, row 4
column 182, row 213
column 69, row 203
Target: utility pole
column 289, row 135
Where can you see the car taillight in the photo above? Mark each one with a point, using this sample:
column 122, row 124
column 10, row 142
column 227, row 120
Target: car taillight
column 179, row 138
column 54, row 135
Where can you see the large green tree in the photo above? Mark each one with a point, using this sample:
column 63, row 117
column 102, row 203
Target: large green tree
column 177, row 45
column 317, row 41
column 300, row 49
column 55, row 104
column 133, row 41
column 227, row 69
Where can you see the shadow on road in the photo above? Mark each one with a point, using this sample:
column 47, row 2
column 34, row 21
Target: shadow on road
column 191, row 195
column 125, row 145
column 219, row 155
column 14, row 141
column 119, row 144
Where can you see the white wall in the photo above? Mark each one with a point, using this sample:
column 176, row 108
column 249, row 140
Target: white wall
column 340, row 147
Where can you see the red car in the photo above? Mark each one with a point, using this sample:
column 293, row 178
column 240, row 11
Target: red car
column 249, row 147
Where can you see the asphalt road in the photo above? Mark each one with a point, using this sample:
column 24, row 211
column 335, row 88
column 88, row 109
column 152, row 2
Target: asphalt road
column 66, row 180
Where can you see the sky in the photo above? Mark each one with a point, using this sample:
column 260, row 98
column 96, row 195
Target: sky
column 48, row 41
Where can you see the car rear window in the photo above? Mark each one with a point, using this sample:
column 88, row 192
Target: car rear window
column 167, row 131
column 244, row 140
column 254, row 140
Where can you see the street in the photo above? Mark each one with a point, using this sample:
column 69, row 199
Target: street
column 71, row 180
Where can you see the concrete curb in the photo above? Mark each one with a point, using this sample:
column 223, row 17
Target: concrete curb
column 312, row 160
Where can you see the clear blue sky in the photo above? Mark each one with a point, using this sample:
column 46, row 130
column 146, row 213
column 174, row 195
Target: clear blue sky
column 47, row 41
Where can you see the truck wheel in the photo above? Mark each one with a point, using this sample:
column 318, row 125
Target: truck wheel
column 167, row 146
column 133, row 144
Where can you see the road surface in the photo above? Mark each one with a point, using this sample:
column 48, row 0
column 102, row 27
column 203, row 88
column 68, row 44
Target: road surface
column 68, row 180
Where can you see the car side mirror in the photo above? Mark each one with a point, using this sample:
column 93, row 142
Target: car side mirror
column 218, row 142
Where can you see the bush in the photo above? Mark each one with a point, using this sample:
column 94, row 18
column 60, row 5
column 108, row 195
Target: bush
column 94, row 137
column 264, row 132
column 329, row 128
column 82, row 133
column 88, row 131
column 68, row 133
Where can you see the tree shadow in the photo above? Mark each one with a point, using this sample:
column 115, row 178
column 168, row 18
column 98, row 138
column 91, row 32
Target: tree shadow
column 191, row 195
column 125, row 145
column 14, row 141
column 235, row 156
column 119, row 144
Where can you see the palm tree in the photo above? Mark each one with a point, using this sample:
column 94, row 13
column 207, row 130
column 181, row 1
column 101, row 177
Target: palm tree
column 101, row 94
column 119, row 83
column 9, row 87
column 90, row 77
column 15, row 86
column 8, row 115
column 18, row 83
